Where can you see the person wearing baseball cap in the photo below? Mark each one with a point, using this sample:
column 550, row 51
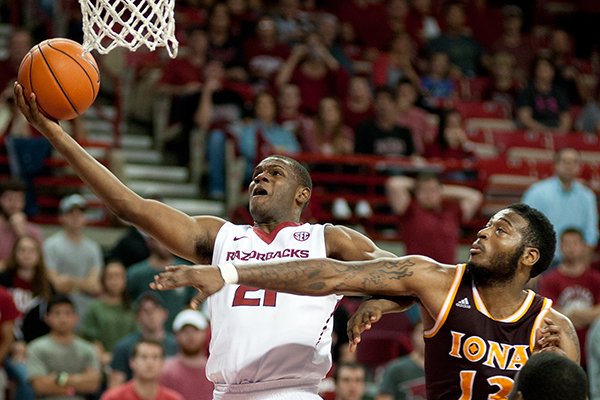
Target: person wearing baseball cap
column 185, row 372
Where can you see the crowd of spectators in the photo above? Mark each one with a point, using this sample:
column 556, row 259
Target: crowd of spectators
column 374, row 77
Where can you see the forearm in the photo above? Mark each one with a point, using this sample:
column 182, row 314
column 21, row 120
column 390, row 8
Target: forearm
column 7, row 340
column 327, row 276
column 47, row 386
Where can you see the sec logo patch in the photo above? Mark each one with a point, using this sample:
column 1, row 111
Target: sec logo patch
column 301, row 236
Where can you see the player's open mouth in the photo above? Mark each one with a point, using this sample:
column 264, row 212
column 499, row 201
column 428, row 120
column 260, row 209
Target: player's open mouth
column 259, row 192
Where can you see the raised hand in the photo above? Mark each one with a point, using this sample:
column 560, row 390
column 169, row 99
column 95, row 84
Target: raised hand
column 206, row 278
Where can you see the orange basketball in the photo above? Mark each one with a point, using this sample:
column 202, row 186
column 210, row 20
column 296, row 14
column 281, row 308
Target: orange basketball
column 64, row 79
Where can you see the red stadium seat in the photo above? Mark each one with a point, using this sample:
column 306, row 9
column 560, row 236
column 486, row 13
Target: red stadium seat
column 518, row 138
column 576, row 140
column 480, row 109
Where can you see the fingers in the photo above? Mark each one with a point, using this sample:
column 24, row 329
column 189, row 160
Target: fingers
column 198, row 300
column 173, row 277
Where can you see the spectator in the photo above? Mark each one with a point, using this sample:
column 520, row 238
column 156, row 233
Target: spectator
column 140, row 275
column 292, row 23
column 8, row 316
column 382, row 135
column 61, row 365
column 413, row 117
column 182, row 80
column 437, row 87
column 109, row 317
column 264, row 55
column 151, row 314
column 515, row 42
column 435, row 209
column 452, row 142
column 146, row 360
column 223, row 45
column 543, row 105
column 464, row 52
column 185, row 372
column 288, row 110
column 561, row 53
column 564, row 200
column 397, row 63
column 504, row 87
column 589, row 119
column 252, row 136
column 316, row 72
column 13, row 220
column 357, row 104
column 549, row 376
column 574, row 286
column 27, row 281
column 349, row 380
column 74, row 260
column 327, row 134
column 404, row 378
column 328, row 30
column 421, row 24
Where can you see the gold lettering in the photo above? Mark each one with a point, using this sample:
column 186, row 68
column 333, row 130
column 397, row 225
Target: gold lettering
column 497, row 354
column 474, row 348
column 455, row 350
column 519, row 357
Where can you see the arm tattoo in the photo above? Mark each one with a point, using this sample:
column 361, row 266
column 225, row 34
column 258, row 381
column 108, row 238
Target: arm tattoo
column 572, row 335
column 325, row 276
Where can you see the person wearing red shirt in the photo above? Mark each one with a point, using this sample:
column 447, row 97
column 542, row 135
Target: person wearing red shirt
column 573, row 285
column 435, row 211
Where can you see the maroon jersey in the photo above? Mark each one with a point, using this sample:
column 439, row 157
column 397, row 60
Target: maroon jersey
column 471, row 355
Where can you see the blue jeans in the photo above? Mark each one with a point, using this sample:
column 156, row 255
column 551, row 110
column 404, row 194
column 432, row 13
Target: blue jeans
column 17, row 372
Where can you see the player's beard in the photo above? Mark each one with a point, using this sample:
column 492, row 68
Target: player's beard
column 501, row 270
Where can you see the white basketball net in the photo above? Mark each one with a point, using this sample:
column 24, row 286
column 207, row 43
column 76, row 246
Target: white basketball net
column 129, row 23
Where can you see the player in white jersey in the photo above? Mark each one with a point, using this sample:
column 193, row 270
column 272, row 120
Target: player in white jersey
column 279, row 192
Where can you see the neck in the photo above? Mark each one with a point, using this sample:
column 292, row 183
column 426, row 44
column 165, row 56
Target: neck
column 153, row 335
column 25, row 274
column 112, row 298
column 146, row 389
column 567, row 184
column 74, row 235
column 63, row 338
column 385, row 123
column 572, row 268
column 502, row 300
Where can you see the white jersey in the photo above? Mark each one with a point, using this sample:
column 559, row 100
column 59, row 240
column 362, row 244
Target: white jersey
column 261, row 337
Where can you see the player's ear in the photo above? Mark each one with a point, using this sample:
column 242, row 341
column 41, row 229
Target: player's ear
column 530, row 256
column 303, row 194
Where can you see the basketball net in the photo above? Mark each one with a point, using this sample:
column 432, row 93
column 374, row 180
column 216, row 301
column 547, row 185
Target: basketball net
column 128, row 23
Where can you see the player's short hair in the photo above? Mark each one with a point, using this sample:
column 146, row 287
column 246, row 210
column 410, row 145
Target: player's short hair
column 349, row 365
column 540, row 234
column 551, row 376
column 299, row 170
column 151, row 342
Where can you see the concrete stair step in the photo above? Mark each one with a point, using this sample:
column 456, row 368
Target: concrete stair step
column 197, row 207
column 127, row 141
column 147, row 188
column 155, row 172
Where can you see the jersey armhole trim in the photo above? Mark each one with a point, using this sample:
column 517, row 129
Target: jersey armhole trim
column 546, row 305
column 445, row 310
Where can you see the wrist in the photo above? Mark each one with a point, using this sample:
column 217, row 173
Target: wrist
column 228, row 273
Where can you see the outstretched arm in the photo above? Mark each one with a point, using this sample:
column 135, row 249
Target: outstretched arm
column 176, row 230
column 404, row 276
